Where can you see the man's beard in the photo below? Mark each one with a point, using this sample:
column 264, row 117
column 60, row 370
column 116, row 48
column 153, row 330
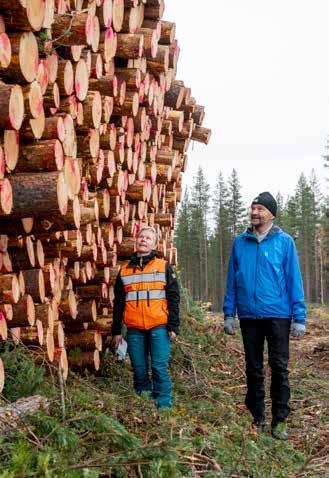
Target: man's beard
column 260, row 223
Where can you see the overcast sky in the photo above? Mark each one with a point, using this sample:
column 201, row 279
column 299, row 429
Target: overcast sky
column 261, row 69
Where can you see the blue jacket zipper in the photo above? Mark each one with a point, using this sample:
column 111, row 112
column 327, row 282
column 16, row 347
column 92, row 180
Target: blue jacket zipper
column 255, row 295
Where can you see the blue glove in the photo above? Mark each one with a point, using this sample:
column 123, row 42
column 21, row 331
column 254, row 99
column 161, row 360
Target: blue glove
column 297, row 329
column 230, row 325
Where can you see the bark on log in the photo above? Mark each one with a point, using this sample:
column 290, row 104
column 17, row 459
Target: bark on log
column 70, row 30
column 42, row 156
column 9, row 289
column 84, row 359
column 38, row 193
column 23, row 313
column 200, row 134
column 23, row 15
column 87, row 340
column 19, row 410
column 35, row 284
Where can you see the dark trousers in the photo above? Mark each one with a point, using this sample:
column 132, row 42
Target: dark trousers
column 276, row 332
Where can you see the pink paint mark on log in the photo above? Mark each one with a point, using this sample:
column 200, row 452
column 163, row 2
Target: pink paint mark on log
column 72, row 164
column 109, row 33
column 5, row 50
column 36, row 62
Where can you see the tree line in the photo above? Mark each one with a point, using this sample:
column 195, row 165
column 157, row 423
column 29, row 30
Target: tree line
column 208, row 221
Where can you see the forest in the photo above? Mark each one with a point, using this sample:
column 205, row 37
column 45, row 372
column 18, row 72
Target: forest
column 209, row 220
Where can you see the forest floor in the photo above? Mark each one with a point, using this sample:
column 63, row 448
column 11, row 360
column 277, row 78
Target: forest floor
column 107, row 431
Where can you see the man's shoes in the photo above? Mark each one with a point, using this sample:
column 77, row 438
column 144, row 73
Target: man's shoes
column 279, row 431
column 257, row 426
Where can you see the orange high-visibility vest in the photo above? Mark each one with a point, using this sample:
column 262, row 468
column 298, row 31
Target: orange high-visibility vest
column 146, row 303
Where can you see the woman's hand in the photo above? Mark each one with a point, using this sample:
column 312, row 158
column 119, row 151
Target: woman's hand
column 172, row 335
column 116, row 341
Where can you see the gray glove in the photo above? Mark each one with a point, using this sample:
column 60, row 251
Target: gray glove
column 297, row 329
column 230, row 325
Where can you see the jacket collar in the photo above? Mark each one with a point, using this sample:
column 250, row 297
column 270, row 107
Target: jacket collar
column 141, row 262
column 249, row 234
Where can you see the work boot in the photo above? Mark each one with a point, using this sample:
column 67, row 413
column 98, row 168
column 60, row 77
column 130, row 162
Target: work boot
column 257, row 426
column 279, row 431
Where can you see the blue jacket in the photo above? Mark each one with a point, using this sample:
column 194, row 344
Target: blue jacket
column 264, row 278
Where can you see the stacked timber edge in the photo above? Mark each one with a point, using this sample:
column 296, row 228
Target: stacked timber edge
column 94, row 133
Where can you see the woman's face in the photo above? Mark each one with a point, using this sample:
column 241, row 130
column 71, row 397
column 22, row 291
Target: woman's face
column 145, row 242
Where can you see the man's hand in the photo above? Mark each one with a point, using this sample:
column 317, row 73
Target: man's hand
column 230, row 325
column 116, row 341
column 297, row 329
column 172, row 335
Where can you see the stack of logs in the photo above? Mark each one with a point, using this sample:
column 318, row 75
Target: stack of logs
column 93, row 141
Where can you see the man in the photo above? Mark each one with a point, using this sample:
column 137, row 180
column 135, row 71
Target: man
column 264, row 287
column 147, row 301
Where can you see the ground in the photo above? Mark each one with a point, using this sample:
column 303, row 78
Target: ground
column 107, row 431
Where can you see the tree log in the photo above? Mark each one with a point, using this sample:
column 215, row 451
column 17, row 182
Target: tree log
column 85, row 359
column 19, row 410
column 11, row 106
column 200, row 134
column 38, row 193
column 23, row 313
column 42, row 156
column 87, row 340
column 35, row 284
column 24, row 60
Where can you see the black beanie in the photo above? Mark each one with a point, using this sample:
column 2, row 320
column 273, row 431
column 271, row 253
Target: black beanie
column 266, row 199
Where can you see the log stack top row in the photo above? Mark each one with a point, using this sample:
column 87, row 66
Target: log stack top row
column 94, row 133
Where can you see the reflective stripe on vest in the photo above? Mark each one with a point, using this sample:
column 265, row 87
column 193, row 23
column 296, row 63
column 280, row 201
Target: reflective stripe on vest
column 145, row 294
column 144, row 277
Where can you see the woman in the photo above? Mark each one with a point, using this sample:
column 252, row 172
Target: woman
column 147, row 302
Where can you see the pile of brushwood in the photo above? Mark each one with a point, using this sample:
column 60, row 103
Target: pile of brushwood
column 94, row 426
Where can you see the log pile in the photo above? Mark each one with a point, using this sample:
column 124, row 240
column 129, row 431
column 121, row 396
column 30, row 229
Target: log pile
column 95, row 129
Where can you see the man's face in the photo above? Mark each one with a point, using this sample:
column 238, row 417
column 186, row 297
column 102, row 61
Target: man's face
column 259, row 215
column 145, row 242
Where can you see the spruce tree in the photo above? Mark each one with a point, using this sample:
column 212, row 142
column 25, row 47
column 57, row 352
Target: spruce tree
column 315, row 224
column 279, row 219
column 221, row 239
column 199, row 235
column 183, row 244
column 237, row 211
column 305, row 241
